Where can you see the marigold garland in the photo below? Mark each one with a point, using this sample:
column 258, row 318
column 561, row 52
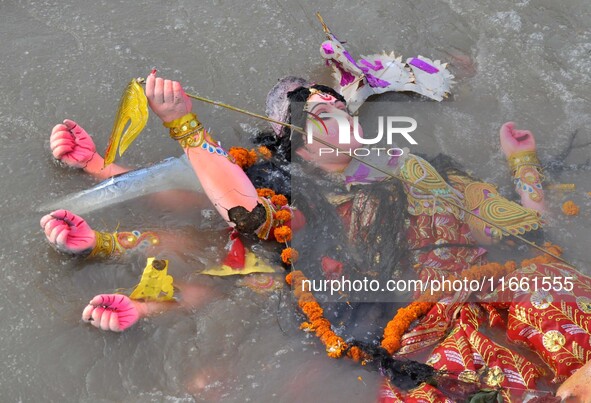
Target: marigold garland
column 279, row 200
column 265, row 192
column 289, row 255
column 335, row 345
column 570, row 208
column 264, row 152
column 282, row 234
column 282, row 216
column 243, row 157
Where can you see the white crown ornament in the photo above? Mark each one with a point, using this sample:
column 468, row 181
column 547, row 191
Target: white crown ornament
column 379, row 73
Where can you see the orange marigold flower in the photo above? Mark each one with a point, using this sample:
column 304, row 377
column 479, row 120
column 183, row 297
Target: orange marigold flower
column 283, row 216
column 570, row 208
column 279, row 200
column 265, row 192
column 282, row 234
column 289, row 255
column 243, row 157
column 265, row 152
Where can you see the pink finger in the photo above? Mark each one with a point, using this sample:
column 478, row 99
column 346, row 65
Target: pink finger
column 61, row 236
column 168, row 92
column 114, row 323
column 60, row 142
column 98, row 300
column 51, row 225
column 509, row 125
column 105, row 319
column 103, row 299
column 70, row 124
column 60, row 135
column 62, row 150
column 53, row 234
column 178, row 92
column 59, row 127
column 59, row 214
column 45, row 219
column 150, row 81
column 96, row 316
column 87, row 313
column 159, row 90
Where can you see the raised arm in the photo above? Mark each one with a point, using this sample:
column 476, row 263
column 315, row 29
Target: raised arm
column 224, row 182
column 519, row 146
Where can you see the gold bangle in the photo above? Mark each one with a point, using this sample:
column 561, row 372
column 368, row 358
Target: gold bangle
column 523, row 158
column 190, row 140
column 106, row 245
column 183, row 126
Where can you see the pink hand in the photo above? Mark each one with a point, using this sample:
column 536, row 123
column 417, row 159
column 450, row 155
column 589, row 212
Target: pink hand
column 71, row 144
column 113, row 312
column 68, row 232
column 513, row 140
column 167, row 98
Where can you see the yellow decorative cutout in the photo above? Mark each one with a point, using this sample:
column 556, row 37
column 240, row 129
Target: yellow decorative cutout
column 156, row 283
column 133, row 109
column 252, row 264
column 507, row 214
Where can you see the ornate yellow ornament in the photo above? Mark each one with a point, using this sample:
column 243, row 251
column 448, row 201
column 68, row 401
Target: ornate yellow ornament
column 156, row 283
column 553, row 340
column 494, row 377
column 493, row 207
column 133, row 109
column 252, row 264
column 584, row 304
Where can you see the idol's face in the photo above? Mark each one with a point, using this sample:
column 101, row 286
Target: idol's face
column 326, row 128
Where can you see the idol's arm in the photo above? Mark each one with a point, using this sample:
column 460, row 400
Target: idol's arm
column 117, row 312
column 74, row 147
column 519, row 146
column 224, row 182
column 71, row 234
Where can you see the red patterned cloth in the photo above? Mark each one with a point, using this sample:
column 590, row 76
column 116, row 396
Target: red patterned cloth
column 555, row 325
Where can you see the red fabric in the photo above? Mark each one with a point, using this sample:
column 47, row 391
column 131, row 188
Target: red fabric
column 555, row 324
column 237, row 254
column 332, row 269
column 298, row 220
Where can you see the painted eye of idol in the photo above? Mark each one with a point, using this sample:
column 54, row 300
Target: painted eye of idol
column 326, row 101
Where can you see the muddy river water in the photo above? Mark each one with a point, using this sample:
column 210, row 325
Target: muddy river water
column 526, row 61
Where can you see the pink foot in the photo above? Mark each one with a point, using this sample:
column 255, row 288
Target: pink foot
column 114, row 312
column 68, row 232
column 514, row 141
column 71, row 144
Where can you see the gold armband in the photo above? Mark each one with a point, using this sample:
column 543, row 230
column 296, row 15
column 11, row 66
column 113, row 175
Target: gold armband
column 519, row 159
column 106, row 246
column 527, row 174
column 117, row 243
